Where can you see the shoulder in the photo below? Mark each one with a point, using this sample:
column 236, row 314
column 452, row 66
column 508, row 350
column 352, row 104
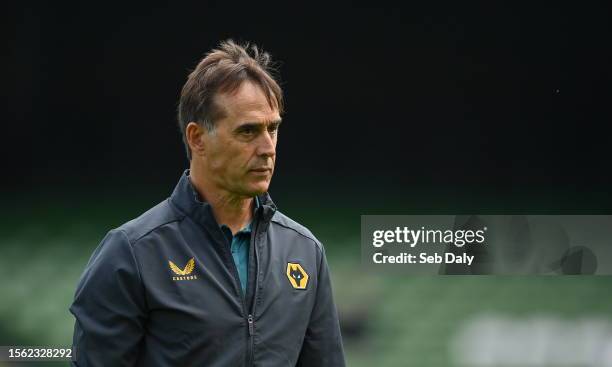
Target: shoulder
column 296, row 229
column 117, row 246
column 158, row 216
column 114, row 259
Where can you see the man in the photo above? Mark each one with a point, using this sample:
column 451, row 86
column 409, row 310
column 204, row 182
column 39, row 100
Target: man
column 215, row 275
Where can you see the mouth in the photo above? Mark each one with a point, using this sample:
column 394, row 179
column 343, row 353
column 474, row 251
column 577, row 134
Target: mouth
column 261, row 170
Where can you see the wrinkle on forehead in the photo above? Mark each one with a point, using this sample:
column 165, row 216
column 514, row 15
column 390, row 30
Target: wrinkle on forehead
column 248, row 101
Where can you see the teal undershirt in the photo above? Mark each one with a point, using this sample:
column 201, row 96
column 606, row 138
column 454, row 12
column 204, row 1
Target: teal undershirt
column 240, row 243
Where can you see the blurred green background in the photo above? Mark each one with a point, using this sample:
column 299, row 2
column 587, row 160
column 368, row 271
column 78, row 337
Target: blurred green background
column 387, row 320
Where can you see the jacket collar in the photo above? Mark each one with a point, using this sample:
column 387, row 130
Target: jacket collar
column 188, row 201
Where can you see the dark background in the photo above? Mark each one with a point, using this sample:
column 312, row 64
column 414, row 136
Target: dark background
column 502, row 97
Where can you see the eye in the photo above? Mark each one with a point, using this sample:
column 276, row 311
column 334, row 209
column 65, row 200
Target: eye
column 273, row 129
column 247, row 131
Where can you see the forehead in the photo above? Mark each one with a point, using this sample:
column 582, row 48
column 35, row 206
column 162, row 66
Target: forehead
column 248, row 103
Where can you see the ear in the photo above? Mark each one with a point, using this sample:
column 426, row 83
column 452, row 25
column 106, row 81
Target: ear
column 195, row 138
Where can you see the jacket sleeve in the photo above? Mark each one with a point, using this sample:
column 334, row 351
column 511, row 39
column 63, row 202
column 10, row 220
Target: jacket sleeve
column 109, row 306
column 322, row 345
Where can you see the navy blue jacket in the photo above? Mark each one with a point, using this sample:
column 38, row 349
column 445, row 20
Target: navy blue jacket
column 163, row 290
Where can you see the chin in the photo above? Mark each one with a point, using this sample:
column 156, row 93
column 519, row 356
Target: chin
column 259, row 188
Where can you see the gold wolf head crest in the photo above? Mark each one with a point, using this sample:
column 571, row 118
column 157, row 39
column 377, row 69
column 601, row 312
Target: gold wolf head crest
column 186, row 271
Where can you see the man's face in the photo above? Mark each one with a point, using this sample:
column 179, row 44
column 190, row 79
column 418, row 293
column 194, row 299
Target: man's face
column 240, row 155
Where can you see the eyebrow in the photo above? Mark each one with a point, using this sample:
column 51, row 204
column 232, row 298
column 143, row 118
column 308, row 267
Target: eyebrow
column 257, row 124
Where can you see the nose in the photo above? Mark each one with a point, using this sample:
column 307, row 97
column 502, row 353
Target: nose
column 266, row 145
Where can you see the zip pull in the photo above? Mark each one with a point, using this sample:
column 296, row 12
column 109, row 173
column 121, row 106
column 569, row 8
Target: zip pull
column 251, row 327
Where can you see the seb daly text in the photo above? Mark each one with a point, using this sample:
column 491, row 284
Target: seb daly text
column 426, row 246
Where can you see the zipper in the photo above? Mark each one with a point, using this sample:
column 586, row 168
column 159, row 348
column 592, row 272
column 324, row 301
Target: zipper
column 251, row 327
column 250, row 344
column 250, row 318
column 245, row 313
column 250, row 315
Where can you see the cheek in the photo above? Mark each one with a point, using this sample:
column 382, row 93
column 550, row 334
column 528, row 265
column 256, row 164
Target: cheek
column 231, row 157
column 221, row 157
column 237, row 158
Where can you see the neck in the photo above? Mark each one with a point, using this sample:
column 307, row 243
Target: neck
column 233, row 210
